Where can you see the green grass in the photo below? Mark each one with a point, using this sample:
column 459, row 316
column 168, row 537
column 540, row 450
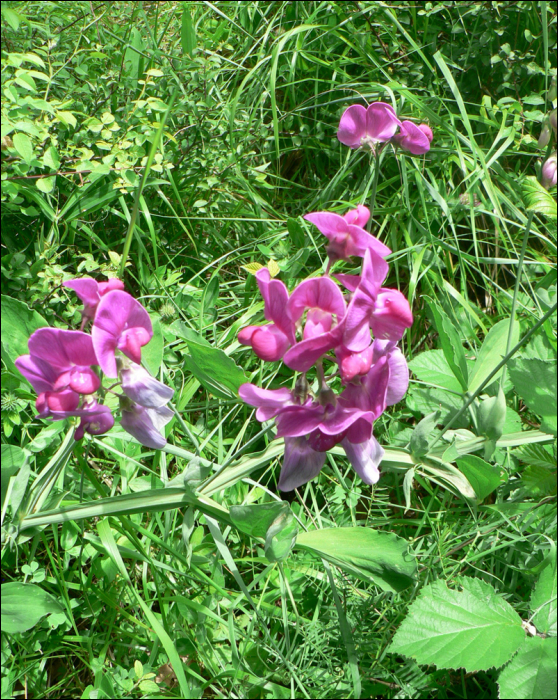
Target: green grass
column 249, row 146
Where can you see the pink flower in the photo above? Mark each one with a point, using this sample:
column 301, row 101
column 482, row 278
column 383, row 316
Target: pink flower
column 269, row 402
column 270, row 342
column 121, row 323
column 142, row 388
column 145, row 424
column 386, row 311
column 549, row 172
column 59, row 368
column 352, row 364
column 413, row 138
column 345, row 233
column 366, row 127
column 95, row 420
column 90, row 292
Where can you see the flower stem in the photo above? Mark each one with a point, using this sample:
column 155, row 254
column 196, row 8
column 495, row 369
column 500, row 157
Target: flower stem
column 374, row 186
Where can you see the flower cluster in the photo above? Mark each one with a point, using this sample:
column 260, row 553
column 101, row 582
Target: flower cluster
column 367, row 127
column 63, row 366
column 317, row 323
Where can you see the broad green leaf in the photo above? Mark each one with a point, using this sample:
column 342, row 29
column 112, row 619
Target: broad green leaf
column 88, row 199
column 23, row 605
column 220, row 375
column 474, row 629
column 23, row 145
column 451, row 344
column 296, row 233
column 432, row 367
column 426, row 400
column 423, row 435
column 532, row 671
column 483, row 477
column 18, row 323
column 180, row 329
column 255, row 519
column 187, row 32
column 45, row 184
column 281, row 536
column 491, row 353
column 537, row 198
column 152, row 353
column 543, row 600
column 367, row 554
column 535, row 382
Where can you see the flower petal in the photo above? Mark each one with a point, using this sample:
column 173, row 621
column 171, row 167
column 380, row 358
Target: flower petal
column 361, row 241
column 268, row 401
column 413, row 139
column 391, row 316
column 294, row 421
column 144, row 389
column 352, row 126
column 327, row 222
column 365, row 458
column 304, row 354
column 83, row 380
column 318, row 292
column 275, row 297
column 86, row 288
column 269, row 343
column 381, row 121
column 300, row 463
column 62, row 349
column 138, row 422
column 398, row 369
column 317, row 323
column 358, row 216
column 40, row 374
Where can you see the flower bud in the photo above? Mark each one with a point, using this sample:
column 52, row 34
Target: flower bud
column 549, row 172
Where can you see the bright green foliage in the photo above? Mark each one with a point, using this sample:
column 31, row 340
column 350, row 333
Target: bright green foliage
column 543, row 600
column 532, row 671
column 491, row 353
column 473, row 628
column 535, row 381
column 365, row 553
column 483, row 477
column 23, row 605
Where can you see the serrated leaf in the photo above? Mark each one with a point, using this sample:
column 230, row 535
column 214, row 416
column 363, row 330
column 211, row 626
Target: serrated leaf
column 537, row 198
column 543, row 600
column 474, row 629
column 535, row 382
column 532, row 671
column 273, row 268
column 491, row 353
column 539, row 482
column 252, row 267
column 368, row 554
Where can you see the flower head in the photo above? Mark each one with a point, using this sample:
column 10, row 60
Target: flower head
column 90, row 292
column 141, row 387
column 145, row 424
column 549, row 172
column 345, row 233
column 121, row 323
column 366, row 127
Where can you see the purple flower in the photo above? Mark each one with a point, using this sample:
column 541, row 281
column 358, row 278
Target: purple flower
column 95, row 420
column 549, row 172
column 90, row 292
column 366, row 127
column 121, row 323
column 142, row 388
column 268, row 401
column 145, row 424
column 270, row 341
column 384, row 310
column 345, row 233
column 59, row 368
column 413, row 138
column 352, row 364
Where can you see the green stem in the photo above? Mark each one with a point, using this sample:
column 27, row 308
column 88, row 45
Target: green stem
column 517, row 282
column 495, row 371
column 374, row 187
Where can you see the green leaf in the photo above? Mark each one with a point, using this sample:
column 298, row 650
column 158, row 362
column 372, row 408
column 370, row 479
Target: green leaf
column 423, row 435
column 220, row 375
column 187, row 33
column 539, row 482
column 537, row 198
column 367, row 554
column 281, row 536
column 88, row 199
column 474, row 629
column 23, row 605
column 152, row 353
column 535, row 382
column 296, row 233
column 45, row 184
column 483, row 477
column 23, row 145
column 543, row 600
column 18, row 323
column 255, row 520
column 13, row 458
column 536, row 456
column 451, row 344
column 491, row 353
column 532, row 671
column 432, row 367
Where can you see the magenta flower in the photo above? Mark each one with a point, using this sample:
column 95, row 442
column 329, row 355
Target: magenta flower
column 386, row 311
column 413, row 138
column 90, row 292
column 345, row 233
column 121, row 323
column 549, row 177
column 59, row 368
column 142, row 388
column 353, row 364
column 366, row 127
column 95, row 420
column 268, row 401
column 270, row 341
column 145, row 424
